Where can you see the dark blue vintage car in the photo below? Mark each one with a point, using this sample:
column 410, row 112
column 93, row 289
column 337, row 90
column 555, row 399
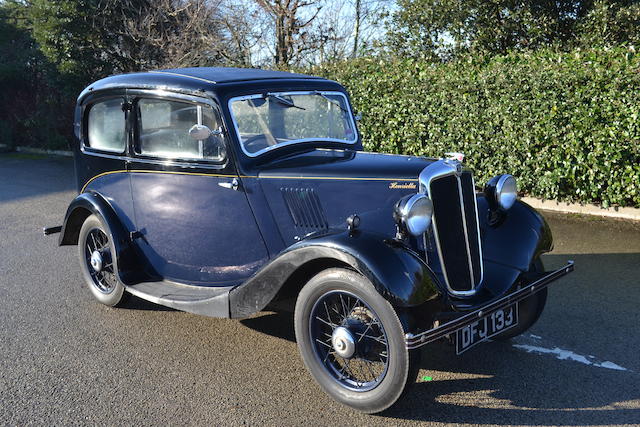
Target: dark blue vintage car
column 223, row 192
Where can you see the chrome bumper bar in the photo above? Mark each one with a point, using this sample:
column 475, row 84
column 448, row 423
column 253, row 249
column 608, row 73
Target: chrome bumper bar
column 418, row 340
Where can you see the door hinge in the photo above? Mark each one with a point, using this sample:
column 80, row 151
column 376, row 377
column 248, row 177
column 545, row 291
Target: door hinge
column 135, row 235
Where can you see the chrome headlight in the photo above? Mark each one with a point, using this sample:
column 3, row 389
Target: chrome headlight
column 413, row 213
column 502, row 191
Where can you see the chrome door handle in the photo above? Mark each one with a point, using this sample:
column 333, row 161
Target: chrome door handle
column 233, row 185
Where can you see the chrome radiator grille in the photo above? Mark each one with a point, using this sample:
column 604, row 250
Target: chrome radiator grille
column 455, row 227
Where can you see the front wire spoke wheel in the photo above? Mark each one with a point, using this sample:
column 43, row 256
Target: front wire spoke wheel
column 352, row 341
column 360, row 368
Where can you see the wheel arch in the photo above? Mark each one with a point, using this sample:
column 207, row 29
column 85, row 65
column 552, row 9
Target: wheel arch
column 299, row 277
column 92, row 203
column 395, row 272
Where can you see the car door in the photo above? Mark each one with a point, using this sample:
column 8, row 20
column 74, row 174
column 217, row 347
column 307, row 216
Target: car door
column 101, row 163
column 193, row 220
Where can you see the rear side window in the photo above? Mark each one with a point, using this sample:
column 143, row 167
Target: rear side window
column 107, row 126
column 163, row 130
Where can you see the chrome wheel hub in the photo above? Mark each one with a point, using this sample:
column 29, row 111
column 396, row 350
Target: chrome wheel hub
column 96, row 261
column 343, row 342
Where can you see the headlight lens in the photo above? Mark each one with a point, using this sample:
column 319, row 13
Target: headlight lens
column 414, row 213
column 506, row 191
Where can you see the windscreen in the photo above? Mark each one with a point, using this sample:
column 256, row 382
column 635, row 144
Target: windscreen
column 270, row 120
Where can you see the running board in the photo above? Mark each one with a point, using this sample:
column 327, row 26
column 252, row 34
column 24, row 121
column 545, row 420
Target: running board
column 204, row 300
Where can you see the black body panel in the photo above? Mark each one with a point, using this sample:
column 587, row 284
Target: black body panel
column 131, row 267
column 396, row 272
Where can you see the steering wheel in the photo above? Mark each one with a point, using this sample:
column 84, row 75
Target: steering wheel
column 256, row 143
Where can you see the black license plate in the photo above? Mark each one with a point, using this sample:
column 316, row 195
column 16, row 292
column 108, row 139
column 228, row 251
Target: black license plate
column 486, row 327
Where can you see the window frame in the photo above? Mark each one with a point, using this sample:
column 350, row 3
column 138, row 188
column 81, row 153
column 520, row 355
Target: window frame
column 86, row 144
column 295, row 141
column 173, row 97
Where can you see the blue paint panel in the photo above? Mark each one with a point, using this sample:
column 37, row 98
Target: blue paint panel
column 339, row 180
column 194, row 230
column 116, row 189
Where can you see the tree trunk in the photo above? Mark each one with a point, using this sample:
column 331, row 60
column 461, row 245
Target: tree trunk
column 281, row 54
column 356, row 29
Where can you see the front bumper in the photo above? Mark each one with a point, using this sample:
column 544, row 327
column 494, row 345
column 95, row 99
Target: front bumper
column 441, row 331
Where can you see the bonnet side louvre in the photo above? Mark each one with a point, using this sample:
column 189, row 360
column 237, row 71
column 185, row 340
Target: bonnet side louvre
column 305, row 209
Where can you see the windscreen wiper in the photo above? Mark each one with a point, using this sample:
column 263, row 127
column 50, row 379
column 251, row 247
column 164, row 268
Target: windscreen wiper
column 332, row 101
column 282, row 100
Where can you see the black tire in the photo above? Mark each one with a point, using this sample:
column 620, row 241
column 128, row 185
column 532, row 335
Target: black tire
column 376, row 329
column 104, row 284
column 529, row 309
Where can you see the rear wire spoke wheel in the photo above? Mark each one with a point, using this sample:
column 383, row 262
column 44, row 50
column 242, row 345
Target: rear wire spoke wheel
column 352, row 342
column 98, row 263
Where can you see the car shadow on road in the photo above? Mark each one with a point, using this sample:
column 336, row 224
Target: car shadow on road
column 502, row 385
column 277, row 324
column 135, row 303
column 497, row 383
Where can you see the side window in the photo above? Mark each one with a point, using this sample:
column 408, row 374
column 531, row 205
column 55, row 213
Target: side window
column 163, row 130
column 106, row 125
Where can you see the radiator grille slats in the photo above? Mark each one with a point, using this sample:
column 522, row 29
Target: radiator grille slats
column 471, row 215
column 455, row 224
column 305, row 208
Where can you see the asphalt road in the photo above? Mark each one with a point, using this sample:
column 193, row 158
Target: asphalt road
column 67, row 359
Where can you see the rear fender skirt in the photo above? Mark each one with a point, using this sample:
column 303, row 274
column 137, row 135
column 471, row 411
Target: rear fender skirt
column 396, row 272
column 85, row 204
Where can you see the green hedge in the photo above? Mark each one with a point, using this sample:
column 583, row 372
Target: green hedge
column 565, row 124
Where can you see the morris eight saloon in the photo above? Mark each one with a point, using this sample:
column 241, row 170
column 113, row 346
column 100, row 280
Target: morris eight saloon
column 224, row 192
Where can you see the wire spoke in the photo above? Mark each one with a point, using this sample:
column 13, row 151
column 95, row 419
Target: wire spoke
column 336, row 311
column 379, row 339
column 364, row 333
column 344, row 308
column 93, row 239
column 333, row 325
column 368, row 365
column 355, row 305
column 324, row 343
column 329, row 353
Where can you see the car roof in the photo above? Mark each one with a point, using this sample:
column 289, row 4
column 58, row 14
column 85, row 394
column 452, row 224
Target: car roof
column 193, row 79
column 226, row 75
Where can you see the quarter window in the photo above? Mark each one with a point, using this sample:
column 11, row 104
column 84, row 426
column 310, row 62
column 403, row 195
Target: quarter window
column 107, row 126
column 163, row 130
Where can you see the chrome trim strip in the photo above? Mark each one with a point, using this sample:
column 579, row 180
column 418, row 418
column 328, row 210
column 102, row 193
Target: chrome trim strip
column 475, row 205
column 182, row 75
column 442, row 169
column 466, row 232
column 296, row 141
column 418, row 340
column 165, row 161
column 159, row 161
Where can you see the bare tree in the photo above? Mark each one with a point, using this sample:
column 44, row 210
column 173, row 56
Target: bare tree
column 145, row 34
column 245, row 26
column 367, row 22
column 291, row 39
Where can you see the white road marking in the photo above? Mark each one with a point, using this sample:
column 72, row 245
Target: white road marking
column 562, row 354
